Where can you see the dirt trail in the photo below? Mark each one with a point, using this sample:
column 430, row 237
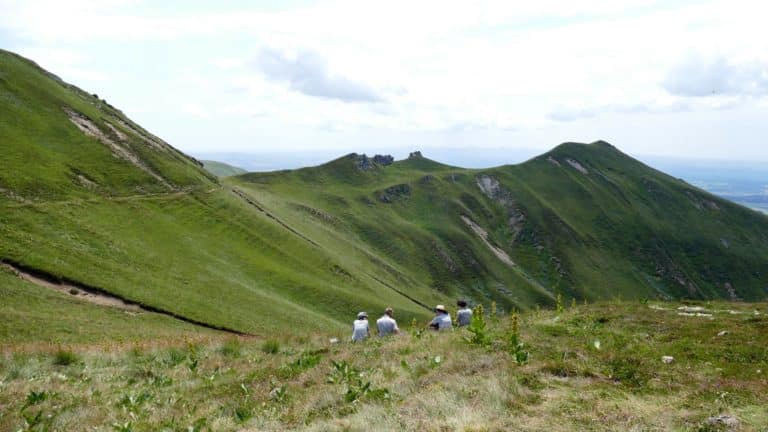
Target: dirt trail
column 117, row 198
column 400, row 292
column 73, row 290
column 97, row 295
column 245, row 197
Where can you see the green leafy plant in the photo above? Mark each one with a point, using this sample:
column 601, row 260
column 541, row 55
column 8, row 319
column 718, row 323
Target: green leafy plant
column 478, row 328
column 34, row 398
column 515, row 347
column 132, row 402
column 418, row 331
column 357, row 388
column 305, row 361
column 192, row 358
column 175, row 357
column 279, row 394
column 32, row 420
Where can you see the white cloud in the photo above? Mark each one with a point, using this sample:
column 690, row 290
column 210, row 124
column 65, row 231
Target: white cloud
column 439, row 65
column 195, row 110
column 697, row 77
column 307, row 73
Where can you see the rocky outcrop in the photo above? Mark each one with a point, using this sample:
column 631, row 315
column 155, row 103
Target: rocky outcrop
column 493, row 190
column 366, row 163
column 117, row 143
column 394, row 193
column 383, row 160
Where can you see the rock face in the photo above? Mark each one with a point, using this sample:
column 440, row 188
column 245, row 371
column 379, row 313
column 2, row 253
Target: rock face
column 365, row 163
column 493, row 190
column 394, row 193
column 414, row 155
column 383, row 160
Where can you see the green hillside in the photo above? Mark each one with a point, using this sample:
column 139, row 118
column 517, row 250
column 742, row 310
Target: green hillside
column 221, row 169
column 88, row 196
column 91, row 197
column 585, row 221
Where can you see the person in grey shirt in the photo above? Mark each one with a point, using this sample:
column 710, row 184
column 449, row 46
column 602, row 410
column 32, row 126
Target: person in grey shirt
column 464, row 315
column 442, row 319
column 386, row 324
column 360, row 329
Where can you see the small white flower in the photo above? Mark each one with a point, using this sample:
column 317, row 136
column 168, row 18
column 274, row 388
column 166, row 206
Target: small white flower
column 596, row 344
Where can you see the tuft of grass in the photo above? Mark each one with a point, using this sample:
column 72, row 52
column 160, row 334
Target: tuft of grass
column 231, row 348
column 64, row 358
column 270, row 346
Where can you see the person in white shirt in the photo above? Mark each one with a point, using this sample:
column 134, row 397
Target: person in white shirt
column 442, row 319
column 386, row 324
column 360, row 327
column 464, row 314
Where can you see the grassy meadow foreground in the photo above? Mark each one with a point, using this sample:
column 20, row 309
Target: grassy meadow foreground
column 585, row 367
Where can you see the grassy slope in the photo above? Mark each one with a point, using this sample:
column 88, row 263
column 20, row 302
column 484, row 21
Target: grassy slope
column 206, row 256
column 194, row 249
column 198, row 249
column 436, row 382
column 622, row 229
column 43, row 151
column 220, row 169
column 416, row 236
column 33, row 315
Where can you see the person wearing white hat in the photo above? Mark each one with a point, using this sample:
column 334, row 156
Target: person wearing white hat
column 442, row 319
column 360, row 329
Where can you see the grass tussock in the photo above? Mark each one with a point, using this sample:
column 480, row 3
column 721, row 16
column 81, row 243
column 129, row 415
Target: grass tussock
column 430, row 382
column 64, row 358
column 270, row 346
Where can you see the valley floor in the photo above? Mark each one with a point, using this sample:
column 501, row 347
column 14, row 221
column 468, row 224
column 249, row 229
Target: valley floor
column 595, row 367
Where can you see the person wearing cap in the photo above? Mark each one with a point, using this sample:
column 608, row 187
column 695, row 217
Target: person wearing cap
column 360, row 327
column 386, row 324
column 464, row 314
column 442, row 319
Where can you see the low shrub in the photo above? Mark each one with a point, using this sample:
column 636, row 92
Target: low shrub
column 64, row 358
column 270, row 346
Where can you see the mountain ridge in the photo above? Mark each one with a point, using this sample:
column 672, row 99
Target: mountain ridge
column 89, row 196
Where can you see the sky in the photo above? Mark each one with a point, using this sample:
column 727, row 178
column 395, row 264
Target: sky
column 495, row 81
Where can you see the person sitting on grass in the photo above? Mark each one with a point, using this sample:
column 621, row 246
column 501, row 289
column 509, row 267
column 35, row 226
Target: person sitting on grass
column 386, row 324
column 360, row 327
column 442, row 319
column 464, row 314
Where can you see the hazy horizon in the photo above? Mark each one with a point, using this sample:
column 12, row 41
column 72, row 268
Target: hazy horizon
column 473, row 158
column 484, row 77
column 744, row 182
